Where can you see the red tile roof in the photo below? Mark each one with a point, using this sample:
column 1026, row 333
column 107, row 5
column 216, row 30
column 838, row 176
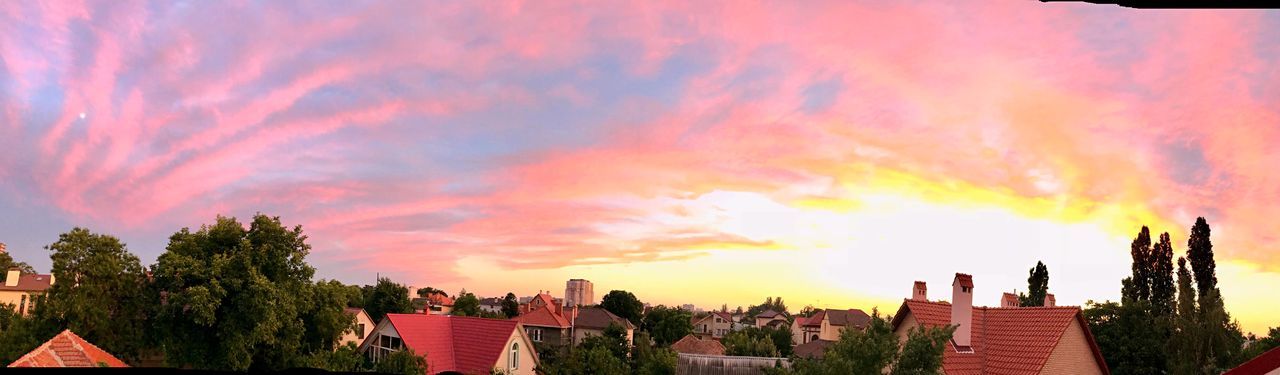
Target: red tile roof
column 965, row 280
column 1005, row 340
column 67, row 350
column 543, row 317
column 1262, row 364
column 439, row 299
column 455, row 343
column 690, row 344
column 30, row 283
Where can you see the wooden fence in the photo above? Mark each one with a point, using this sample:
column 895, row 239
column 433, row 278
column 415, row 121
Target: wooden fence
column 699, row 364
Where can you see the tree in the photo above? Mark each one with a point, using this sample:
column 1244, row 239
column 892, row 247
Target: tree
column 876, row 349
column 1162, row 286
column 467, row 304
column 327, row 316
column 623, row 304
column 586, row 361
column 651, row 360
column 510, row 305
column 749, row 344
column 1186, row 356
column 1037, row 286
column 1138, row 286
column 387, row 298
column 102, row 294
column 424, row 292
column 1200, row 255
column 1257, row 346
column 922, row 353
column 613, row 338
column 1128, row 340
column 770, row 303
column 667, row 324
column 1220, row 337
column 236, row 298
column 6, row 262
column 404, row 362
column 346, row 358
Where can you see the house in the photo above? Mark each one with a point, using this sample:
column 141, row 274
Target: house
column 439, row 304
column 455, row 344
column 362, row 325
column 714, row 325
column 690, row 344
column 770, row 318
column 21, row 290
column 547, row 324
column 68, row 350
column 538, row 301
column 826, row 324
column 591, row 321
column 1003, row 340
column 1267, row 363
column 813, row 349
column 491, row 304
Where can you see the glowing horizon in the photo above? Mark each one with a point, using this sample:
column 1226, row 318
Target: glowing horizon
column 710, row 154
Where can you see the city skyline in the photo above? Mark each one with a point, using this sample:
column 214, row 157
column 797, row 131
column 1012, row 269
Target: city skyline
column 688, row 153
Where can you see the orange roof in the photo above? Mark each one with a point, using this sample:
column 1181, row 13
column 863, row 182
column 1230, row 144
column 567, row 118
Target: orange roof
column 67, row 350
column 1005, row 340
column 690, row 344
column 462, row 344
column 29, row 282
column 440, row 299
column 543, row 317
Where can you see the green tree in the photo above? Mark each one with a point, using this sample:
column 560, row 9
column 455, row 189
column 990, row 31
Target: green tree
column 235, row 298
column 387, row 298
column 327, row 317
column 750, row 342
column 623, row 304
column 667, row 324
column 510, row 305
column 424, row 292
column 1200, row 255
column 6, row 262
column 875, row 349
column 586, row 361
column 1138, row 286
column 467, row 304
column 770, row 303
column 1037, row 286
column 1220, row 336
column 1186, row 355
column 346, row 358
column 1162, row 286
column 1257, row 346
column 403, row 362
column 651, row 360
column 102, row 294
column 922, row 353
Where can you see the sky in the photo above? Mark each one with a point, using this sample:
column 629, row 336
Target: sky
column 692, row 152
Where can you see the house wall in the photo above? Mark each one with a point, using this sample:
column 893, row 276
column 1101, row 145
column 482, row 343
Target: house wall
column 527, row 355
column 352, row 335
column 14, row 297
column 708, row 326
column 552, row 335
column 828, row 331
column 908, row 322
column 1072, row 355
column 580, row 334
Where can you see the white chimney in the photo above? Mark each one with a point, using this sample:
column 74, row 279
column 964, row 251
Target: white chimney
column 919, row 292
column 962, row 312
column 11, row 278
column 1009, row 300
column 1049, row 301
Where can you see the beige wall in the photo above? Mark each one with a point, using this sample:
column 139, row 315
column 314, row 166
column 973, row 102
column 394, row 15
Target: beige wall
column 351, row 336
column 908, row 322
column 527, row 361
column 829, row 332
column 709, row 326
column 14, row 297
column 580, row 334
column 1072, row 355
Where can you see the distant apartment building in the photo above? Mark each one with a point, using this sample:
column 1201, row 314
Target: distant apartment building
column 579, row 292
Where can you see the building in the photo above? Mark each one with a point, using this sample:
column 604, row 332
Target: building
column 592, row 321
column 1267, row 363
column 68, row 350
column 21, row 290
column 813, row 349
column 1003, row 340
column 491, row 304
column 690, row 344
column 770, row 318
column 546, row 324
column 579, row 292
column 826, row 324
column 715, row 325
column 362, row 326
column 543, row 298
column 455, row 344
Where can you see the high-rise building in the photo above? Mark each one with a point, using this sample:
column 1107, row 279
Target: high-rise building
column 579, row 292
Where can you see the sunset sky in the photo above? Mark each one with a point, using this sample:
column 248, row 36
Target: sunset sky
column 829, row 153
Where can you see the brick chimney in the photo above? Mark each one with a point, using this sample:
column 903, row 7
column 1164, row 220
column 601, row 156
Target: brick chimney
column 1009, row 300
column 2, row 247
column 11, row 278
column 1049, row 301
column 962, row 312
column 920, row 292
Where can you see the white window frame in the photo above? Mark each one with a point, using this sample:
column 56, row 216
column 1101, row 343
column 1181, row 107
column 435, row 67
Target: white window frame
column 535, row 334
column 514, row 356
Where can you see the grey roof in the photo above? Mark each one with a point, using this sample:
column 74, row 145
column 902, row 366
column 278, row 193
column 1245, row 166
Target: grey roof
column 598, row 318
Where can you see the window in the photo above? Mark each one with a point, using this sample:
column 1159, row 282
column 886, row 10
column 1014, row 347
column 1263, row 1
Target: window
column 360, row 331
column 385, row 345
column 718, row 320
column 22, row 307
column 535, row 334
column 515, row 356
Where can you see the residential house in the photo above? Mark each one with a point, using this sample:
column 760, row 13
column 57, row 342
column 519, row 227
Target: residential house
column 538, row 301
column 491, row 304
column 826, row 324
column 362, row 325
column 547, row 324
column 439, row 304
column 715, row 325
column 21, row 290
column 455, row 344
column 1267, row 363
column 996, row 340
column 691, row 344
column 591, row 321
column 68, row 350
column 773, row 319
column 813, row 349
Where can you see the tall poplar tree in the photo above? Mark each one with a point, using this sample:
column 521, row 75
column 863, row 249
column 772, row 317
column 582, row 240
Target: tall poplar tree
column 1037, row 286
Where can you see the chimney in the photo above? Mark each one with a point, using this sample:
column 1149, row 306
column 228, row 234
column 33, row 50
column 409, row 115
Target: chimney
column 559, row 308
column 11, row 278
column 919, row 292
column 962, row 312
column 2, row 247
column 1049, row 301
column 1009, row 300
